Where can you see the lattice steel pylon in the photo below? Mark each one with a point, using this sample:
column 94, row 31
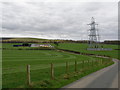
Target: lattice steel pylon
column 94, row 38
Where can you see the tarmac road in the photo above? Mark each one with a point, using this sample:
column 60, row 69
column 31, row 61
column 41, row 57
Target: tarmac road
column 104, row 78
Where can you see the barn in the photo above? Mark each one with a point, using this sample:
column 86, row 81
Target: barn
column 34, row 45
column 41, row 45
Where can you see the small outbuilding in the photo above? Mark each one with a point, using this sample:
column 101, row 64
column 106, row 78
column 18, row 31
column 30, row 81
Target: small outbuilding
column 23, row 45
column 34, row 45
column 41, row 45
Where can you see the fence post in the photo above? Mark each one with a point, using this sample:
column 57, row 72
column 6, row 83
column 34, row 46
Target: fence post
column 88, row 63
column 83, row 64
column 99, row 62
column 67, row 67
column 92, row 63
column 52, row 71
column 75, row 66
column 28, row 75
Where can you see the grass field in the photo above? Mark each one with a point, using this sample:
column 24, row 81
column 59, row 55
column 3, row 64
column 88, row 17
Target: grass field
column 15, row 61
column 82, row 48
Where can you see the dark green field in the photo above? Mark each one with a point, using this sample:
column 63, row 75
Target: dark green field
column 82, row 48
column 15, row 61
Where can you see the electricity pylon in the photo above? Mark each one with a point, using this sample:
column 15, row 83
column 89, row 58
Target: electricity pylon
column 93, row 34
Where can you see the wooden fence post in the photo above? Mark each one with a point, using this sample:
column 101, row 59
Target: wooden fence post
column 75, row 66
column 92, row 63
column 52, row 71
column 83, row 64
column 88, row 63
column 97, row 62
column 101, row 61
column 28, row 75
column 67, row 67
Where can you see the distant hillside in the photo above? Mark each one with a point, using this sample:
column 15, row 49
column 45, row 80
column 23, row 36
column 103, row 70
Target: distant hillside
column 112, row 42
column 28, row 40
column 5, row 38
column 39, row 40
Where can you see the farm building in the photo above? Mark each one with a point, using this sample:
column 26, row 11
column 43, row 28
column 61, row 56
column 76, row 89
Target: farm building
column 41, row 45
column 23, row 45
column 33, row 45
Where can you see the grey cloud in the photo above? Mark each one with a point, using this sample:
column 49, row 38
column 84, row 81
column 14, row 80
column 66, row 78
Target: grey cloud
column 58, row 20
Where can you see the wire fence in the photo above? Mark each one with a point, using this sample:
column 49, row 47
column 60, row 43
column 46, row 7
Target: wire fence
column 51, row 71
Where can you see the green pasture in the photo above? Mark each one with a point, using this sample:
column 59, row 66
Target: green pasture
column 82, row 48
column 14, row 64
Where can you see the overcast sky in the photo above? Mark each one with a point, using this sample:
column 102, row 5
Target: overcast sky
column 59, row 20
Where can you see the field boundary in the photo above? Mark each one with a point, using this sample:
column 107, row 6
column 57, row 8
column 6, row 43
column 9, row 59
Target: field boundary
column 92, row 74
column 67, row 75
column 76, row 52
